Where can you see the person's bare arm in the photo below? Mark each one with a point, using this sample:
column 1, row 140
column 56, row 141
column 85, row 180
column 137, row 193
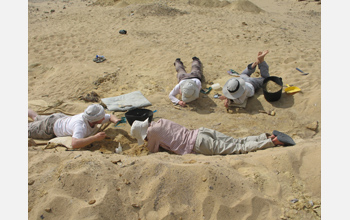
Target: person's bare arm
column 226, row 101
column 114, row 119
column 83, row 142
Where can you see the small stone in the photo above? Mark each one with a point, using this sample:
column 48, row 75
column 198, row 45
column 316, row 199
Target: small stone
column 31, row 182
column 118, row 189
column 312, row 126
column 92, row 202
column 204, row 179
column 135, row 206
column 48, row 210
column 294, row 200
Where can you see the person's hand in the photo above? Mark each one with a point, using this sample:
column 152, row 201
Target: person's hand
column 100, row 136
column 182, row 103
column 116, row 121
column 222, row 97
column 226, row 103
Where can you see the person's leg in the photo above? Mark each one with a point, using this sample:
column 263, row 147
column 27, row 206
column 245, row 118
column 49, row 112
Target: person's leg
column 249, row 70
column 211, row 142
column 180, row 69
column 258, row 82
column 264, row 69
column 39, row 129
column 196, row 69
column 42, row 127
column 252, row 66
column 253, row 143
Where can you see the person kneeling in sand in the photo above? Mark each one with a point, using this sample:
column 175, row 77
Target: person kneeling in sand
column 180, row 140
column 189, row 84
column 80, row 126
column 237, row 89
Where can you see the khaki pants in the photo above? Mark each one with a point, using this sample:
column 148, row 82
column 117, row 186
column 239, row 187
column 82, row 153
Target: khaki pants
column 42, row 126
column 211, row 142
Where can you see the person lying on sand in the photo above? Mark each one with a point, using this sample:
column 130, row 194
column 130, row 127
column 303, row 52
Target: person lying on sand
column 237, row 89
column 180, row 140
column 189, row 84
column 80, row 126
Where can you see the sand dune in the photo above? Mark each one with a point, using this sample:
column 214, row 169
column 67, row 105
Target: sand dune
column 65, row 36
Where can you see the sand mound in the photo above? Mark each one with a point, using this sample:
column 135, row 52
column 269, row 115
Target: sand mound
column 121, row 4
column 208, row 3
column 158, row 10
column 244, row 5
column 106, row 2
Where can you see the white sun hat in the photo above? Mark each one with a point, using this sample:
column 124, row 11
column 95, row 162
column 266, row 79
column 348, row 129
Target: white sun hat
column 234, row 88
column 139, row 130
column 189, row 90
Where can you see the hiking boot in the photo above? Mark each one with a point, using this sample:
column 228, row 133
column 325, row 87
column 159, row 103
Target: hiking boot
column 178, row 60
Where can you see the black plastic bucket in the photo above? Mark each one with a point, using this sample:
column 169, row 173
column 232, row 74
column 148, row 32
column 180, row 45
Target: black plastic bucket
column 272, row 97
column 138, row 114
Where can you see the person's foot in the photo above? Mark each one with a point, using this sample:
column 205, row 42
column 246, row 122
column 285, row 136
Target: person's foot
column 195, row 58
column 261, row 56
column 279, row 138
column 178, row 60
column 276, row 142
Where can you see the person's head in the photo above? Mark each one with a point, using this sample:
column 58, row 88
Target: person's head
column 139, row 130
column 189, row 90
column 234, row 88
column 94, row 113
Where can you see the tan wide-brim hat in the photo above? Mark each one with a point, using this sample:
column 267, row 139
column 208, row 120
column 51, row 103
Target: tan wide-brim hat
column 189, row 90
column 234, row 88
column 139, row 130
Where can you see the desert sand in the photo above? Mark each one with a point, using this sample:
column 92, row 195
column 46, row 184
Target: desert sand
column 95, row 183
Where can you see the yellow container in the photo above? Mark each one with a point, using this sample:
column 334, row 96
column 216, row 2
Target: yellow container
column 292, row 89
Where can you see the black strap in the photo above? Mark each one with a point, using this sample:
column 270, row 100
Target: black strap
column 232, row 91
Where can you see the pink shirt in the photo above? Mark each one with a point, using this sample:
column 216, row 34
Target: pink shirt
column 170, row 136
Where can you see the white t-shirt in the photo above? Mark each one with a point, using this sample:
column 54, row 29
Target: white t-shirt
column 75, row 126
column 176, row 90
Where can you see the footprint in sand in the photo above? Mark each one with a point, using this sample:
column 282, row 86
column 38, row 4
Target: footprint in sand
column 290, row 60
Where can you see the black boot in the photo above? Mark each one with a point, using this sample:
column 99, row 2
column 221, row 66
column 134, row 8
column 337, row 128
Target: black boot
column 178, row 60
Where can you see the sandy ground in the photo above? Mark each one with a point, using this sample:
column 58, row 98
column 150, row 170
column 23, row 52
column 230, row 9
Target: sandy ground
column 94, row 183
